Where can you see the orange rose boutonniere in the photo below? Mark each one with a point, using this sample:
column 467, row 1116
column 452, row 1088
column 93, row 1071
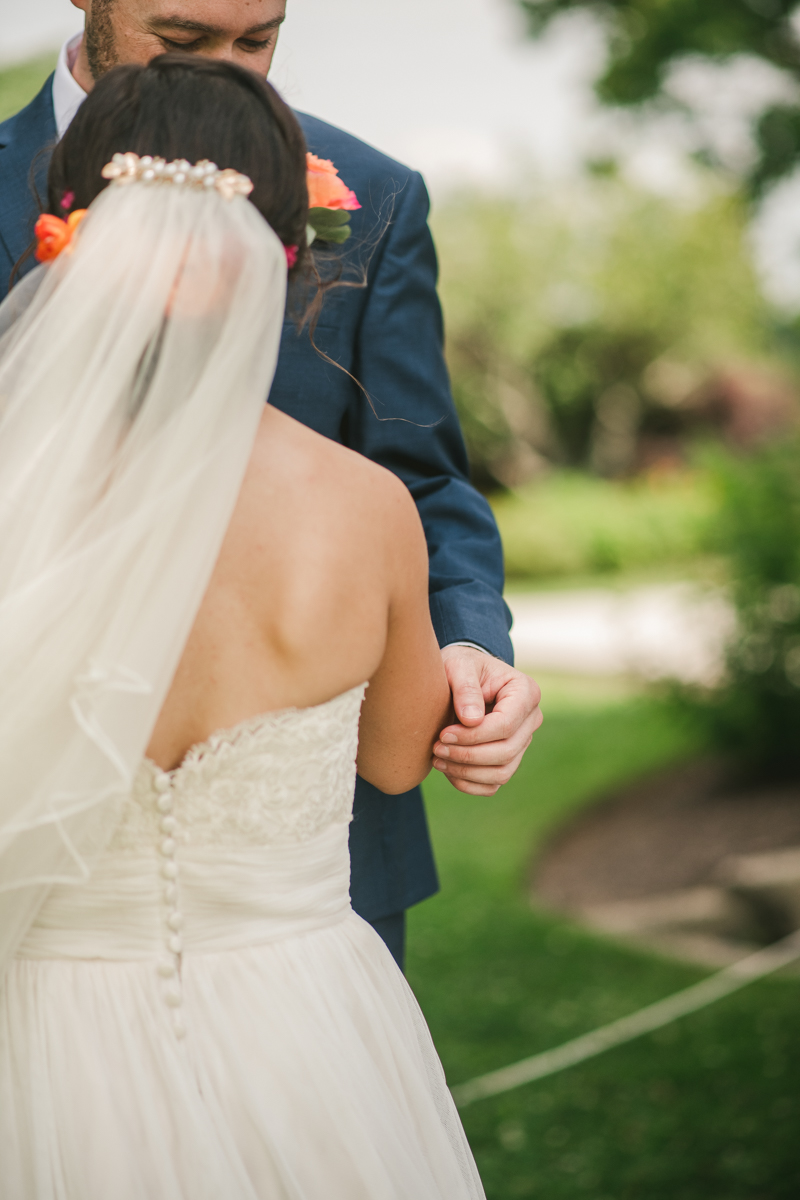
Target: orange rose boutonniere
column 54, row 235
column 330, row 201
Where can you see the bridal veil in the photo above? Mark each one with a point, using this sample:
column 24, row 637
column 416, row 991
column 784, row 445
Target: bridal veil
column 131, row 388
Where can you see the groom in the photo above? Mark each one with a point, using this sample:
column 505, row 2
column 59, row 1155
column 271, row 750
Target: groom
column 388, row 336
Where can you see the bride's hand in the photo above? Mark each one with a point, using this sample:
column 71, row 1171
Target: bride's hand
column 482, row 753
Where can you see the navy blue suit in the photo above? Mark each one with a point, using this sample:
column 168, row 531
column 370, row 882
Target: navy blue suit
column 389, row 336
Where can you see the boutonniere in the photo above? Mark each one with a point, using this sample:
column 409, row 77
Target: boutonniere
column 330, row 201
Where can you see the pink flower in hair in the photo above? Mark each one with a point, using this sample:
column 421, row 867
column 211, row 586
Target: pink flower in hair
column 67, row 200
column 291, row 255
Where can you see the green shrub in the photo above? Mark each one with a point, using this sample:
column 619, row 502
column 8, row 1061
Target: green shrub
column 756, row 710
column 573, row 524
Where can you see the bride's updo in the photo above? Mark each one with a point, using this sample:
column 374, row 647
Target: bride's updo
column 182, row 106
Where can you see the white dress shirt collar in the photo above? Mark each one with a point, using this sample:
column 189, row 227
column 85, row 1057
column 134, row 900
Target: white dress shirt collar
column 68, row 95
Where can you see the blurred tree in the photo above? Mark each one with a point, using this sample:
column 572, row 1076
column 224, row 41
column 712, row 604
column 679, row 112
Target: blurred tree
column 580, row 322
column 649, row 35
column 591, row 376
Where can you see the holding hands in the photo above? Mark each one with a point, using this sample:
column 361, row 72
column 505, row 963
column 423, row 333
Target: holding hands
column 484, row 750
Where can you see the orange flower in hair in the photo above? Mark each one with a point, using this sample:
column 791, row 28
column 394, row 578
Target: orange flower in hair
column 53, row 235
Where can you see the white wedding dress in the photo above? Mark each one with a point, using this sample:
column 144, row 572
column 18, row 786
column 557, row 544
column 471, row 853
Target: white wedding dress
column 189, row 1007
column 206, row 1018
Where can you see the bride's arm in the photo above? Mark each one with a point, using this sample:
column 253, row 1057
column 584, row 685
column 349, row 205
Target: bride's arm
column 408, row 699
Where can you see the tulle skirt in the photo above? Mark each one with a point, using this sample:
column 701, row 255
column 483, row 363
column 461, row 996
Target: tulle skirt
column 306, row 1072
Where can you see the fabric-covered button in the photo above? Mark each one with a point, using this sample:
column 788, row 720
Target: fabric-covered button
column 164, row 803
column 173, row 997
column 169, row 870
column 175, row 921
column 175, row 944
column 161, row 783
column 170, row 893
column 168, row 824
column 167, row 847
column 166, row 968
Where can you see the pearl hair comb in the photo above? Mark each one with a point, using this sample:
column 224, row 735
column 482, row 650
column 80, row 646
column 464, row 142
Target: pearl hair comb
column 204, row 175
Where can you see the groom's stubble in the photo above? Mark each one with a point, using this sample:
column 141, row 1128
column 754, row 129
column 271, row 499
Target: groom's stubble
column 135, row 31
column 101, row 48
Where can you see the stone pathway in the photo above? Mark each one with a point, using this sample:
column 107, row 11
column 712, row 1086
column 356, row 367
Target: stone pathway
column 754, row 901
column 682, row 865
column 687, row 862
column 675, row 630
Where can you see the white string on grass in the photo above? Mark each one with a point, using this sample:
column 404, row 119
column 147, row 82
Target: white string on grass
column 654, row 1016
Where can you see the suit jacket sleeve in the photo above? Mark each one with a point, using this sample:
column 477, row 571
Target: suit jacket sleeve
column 400, row 362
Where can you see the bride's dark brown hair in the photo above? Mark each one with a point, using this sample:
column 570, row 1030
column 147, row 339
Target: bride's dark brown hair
column 188, row 106
column 182, row 106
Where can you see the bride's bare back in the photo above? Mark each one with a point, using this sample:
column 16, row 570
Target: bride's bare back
column 321, row 584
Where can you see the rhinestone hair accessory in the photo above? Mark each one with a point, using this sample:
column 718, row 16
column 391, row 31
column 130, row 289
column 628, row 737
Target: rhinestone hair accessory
column 203, row 176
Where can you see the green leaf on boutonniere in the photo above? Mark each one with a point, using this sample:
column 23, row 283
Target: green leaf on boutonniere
column 330, row 224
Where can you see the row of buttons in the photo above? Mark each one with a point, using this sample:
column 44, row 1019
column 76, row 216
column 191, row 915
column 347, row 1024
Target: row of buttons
column 169, row 968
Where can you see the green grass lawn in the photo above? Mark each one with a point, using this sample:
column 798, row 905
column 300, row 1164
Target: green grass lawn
column 706, row 1109
column 572, row 524
column 20, row 83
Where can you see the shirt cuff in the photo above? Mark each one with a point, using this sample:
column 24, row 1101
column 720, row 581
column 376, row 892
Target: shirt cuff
column 472, row 646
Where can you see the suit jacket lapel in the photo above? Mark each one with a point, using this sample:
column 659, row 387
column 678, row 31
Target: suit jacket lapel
column 25, row 140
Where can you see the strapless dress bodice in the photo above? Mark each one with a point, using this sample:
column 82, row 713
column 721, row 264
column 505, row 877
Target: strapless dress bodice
column 206, row 1016
column 276, row 779
column 246, row 842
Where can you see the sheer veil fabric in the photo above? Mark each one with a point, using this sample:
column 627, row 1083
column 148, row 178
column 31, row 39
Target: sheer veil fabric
column 132, row 382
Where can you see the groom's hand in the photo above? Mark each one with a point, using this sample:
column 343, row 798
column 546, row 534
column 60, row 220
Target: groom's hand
column 482, row 753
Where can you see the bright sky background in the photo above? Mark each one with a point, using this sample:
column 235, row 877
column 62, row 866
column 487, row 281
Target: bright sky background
column 450, row 86
column 30, row 26
column 453, row 88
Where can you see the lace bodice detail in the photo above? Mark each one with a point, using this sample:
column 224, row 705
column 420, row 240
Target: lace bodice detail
column 278, row 778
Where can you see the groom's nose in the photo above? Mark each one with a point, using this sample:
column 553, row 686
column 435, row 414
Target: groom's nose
column 244, row 32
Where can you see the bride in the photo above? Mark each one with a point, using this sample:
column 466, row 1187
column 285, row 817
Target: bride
column 196, row 595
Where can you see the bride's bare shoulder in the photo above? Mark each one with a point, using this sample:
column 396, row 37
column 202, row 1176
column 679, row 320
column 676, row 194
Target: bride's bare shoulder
column 313, row 470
